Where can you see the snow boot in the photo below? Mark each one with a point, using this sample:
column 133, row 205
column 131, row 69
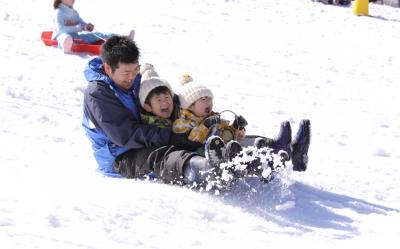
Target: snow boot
column 233, row 148
column 215, row 151
column 200, row 171
column 284, row 139
column 131, row 35
column 65, row 42
column 300, row 146
column 281, row 144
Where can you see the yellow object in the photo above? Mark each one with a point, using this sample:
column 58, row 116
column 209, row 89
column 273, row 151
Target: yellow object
column 185, row 78
column 360, row 7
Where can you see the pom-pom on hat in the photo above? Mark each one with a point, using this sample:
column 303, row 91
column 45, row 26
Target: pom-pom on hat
column 149, row 81
column 192, row 91
column 185, row 78
column 147, row 71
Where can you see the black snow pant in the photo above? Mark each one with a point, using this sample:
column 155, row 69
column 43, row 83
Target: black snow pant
column 166, row 162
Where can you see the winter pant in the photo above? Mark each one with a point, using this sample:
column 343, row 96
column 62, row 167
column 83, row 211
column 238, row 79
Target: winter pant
column 195, row 170
column 167, row 162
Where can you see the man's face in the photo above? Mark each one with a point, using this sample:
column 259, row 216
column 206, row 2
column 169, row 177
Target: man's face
column 124, row 74
column 161, row 105
column 202, row 107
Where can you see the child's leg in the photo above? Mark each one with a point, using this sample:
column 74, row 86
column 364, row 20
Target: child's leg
column 102, row 36
column 281, row 142
column 300, row 146
column 65, row 42
column 93, row 37
column 195, row 171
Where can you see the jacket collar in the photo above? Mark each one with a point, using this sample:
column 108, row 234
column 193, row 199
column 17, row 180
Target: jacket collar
column 94, row 71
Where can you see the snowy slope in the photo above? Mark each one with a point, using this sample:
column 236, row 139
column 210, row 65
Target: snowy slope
column 267, row 60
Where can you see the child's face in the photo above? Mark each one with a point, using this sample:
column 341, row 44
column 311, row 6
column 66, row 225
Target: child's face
column 202, row 107
column 68, row 2
column 161, row 105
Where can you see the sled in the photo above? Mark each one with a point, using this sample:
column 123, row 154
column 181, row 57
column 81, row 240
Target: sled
column 249, row 140
column 79, row 46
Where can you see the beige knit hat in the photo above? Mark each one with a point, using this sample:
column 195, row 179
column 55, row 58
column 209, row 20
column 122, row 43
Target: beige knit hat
column 191, row 92
column 149, row 81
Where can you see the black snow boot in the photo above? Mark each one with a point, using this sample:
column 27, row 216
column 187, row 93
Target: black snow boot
column 281, row 143
column 205, row 172
column 284, row 139
column 233, row 148
column 215, row 150
column 300, row 146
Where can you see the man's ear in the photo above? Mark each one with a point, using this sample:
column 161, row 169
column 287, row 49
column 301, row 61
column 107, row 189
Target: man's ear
column 107, row 69
column 147, row 107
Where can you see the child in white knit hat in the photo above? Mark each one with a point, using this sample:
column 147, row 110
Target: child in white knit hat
column 197, row 118
column 156, row 98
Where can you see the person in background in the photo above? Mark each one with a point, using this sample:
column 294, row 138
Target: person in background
column 69, row 26
column 335, row 2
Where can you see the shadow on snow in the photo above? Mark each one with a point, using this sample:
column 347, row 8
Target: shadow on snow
column 302, row 207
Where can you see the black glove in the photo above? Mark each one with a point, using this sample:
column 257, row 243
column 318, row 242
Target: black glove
column 211, row 120
column 240, row 122
column 182, row 142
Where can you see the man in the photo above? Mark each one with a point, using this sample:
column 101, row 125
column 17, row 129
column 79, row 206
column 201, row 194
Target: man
column 122, row 144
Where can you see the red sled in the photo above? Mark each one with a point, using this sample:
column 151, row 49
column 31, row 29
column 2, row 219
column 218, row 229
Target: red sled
column 79, row 46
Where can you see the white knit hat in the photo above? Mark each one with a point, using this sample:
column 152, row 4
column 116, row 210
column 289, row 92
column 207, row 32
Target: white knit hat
column 149, row 81
column 191, row 92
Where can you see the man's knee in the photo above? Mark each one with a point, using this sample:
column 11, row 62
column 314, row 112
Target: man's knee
column 132, row 163
column 124, row 165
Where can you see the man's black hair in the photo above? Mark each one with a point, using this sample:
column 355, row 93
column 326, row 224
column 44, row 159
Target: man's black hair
column 119, row 49
column 157, row 91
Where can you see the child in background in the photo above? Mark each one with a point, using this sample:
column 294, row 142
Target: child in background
column 69, row 26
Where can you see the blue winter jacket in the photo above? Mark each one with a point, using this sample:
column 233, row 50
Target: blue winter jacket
column 111, row 118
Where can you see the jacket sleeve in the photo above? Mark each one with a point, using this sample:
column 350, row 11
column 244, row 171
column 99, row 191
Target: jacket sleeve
column 196, row 133
column 108, row 114
column 61, row 19
column 81, row 21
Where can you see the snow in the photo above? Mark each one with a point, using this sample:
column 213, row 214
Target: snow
column 267, row 60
